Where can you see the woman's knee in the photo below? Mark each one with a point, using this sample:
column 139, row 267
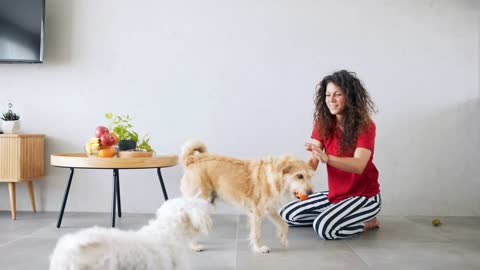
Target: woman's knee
column 288, row 212
column 287, row 216
column 323, row 229
column 295, row 218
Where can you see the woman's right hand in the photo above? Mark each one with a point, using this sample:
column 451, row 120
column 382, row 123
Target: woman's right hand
column 317, row 152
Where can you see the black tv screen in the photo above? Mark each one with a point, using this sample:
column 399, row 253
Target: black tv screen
column 22, row 31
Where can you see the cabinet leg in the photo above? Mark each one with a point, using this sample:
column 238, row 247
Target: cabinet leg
column 32, row 195
column 13, row 203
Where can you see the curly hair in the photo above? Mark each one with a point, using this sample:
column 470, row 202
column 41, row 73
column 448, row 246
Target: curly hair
column 356, row 115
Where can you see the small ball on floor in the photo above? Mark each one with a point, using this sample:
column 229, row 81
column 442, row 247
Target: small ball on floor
column 436, row 222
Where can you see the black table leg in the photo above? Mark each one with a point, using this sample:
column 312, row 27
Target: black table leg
column 118, row 195
column 160, row 178
column 114, row 196
column 65, row 196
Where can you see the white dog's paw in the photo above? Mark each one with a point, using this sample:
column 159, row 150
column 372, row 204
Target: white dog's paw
column 262, row 249
column 197, row 247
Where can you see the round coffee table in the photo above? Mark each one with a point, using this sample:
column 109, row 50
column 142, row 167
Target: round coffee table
column 82, row 161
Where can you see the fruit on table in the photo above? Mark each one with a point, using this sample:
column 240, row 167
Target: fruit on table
column 103, row 143
column 101, row 130
column 115, row 136
column 106, row 139
column 106, row 151
column 436, row 222
column 92, row 145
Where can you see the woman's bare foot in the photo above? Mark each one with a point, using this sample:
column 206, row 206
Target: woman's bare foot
column 371, row 224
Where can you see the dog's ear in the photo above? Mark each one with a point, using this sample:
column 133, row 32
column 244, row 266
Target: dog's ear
column 284, row 166
column 312, row 163
column 196, row 220
column 185, row 217
column 287, row 169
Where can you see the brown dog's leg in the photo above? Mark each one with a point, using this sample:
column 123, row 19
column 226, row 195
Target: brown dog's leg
column 282, row 227
column 255, row 220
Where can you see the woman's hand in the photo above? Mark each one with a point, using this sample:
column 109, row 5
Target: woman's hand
column 317, row 152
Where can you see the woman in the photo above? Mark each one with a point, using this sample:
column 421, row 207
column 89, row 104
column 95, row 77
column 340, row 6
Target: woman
column 343, row 138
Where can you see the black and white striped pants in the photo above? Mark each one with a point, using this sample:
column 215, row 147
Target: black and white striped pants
column 332, row 221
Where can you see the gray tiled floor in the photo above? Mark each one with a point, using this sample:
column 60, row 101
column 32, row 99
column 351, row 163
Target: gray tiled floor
column 401, row 243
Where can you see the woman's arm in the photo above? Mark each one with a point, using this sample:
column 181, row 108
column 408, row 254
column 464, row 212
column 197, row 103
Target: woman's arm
column 355, row 164
column 313, row 161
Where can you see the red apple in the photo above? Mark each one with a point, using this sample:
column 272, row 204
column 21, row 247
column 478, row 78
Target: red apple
column 107, row 139
column 101, row 130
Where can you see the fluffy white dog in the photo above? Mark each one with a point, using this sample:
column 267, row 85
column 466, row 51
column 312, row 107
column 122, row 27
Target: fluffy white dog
column 161, row 245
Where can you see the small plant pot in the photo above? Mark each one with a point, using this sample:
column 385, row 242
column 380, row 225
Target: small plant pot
column 10, row 127
column 125, row 145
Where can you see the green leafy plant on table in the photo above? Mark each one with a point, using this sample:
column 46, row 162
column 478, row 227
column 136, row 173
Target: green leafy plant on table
column 10, row 116
column 122, row 126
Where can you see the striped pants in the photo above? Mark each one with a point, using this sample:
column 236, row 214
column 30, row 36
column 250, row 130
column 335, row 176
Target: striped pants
column 332, row 221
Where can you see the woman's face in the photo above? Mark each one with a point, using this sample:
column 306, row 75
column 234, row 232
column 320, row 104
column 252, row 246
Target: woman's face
column 335, row 99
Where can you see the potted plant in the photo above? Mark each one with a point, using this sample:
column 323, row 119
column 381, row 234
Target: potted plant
column 11, row 122
column 128, row 139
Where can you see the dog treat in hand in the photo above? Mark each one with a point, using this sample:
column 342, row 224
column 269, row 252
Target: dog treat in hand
column 301, row 196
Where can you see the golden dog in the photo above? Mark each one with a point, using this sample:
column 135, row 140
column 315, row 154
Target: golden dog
column 257, row 186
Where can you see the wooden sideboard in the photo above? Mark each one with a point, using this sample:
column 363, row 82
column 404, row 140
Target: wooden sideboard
column 21, row 160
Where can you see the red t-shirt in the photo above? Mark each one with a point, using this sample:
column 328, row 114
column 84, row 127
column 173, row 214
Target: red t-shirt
column 343, row 184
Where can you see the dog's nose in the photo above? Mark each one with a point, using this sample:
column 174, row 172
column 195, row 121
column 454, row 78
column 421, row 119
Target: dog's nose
column 309, row 192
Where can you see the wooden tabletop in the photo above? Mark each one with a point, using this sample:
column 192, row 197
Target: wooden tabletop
column 9, row 135
column 81, row 160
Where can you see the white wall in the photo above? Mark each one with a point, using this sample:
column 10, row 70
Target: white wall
column 240, row 75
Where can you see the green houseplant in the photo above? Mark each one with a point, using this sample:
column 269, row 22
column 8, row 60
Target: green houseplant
column 128, row 138
column 10, row 116
column 11, row 122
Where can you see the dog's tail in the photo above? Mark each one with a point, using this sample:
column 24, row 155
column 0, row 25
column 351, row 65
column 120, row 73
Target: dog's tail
column 189, row 148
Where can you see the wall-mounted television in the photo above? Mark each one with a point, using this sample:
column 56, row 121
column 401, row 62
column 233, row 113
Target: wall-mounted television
column 22, row 26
